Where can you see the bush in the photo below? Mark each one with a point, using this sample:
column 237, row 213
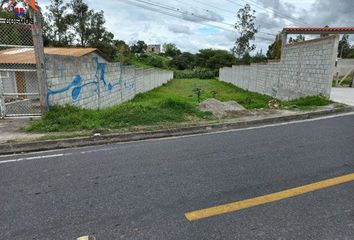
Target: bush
column 153, row 60
column 182, row 74
column 202, row 73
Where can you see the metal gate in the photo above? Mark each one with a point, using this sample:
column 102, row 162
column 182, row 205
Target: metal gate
column 19, row 85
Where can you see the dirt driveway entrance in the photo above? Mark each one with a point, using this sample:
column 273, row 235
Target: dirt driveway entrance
column 343, row 95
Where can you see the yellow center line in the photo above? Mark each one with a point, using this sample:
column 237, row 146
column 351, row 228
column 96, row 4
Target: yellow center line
column 86, row 238
column 236, row 206
column 83, row 238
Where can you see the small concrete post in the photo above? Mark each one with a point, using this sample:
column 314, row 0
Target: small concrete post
column 283, row 42
column 337, row 79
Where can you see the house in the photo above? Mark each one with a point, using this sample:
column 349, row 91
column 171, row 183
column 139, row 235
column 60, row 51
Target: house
column 19, row 86
column 154, row 48
column 17, row 66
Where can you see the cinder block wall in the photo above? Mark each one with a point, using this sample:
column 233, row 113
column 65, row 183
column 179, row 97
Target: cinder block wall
column 306, row 69
column 344, row 66
column 86, row 82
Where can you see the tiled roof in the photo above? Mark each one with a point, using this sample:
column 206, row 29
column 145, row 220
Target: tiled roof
column 319, row 29
column 26, row 55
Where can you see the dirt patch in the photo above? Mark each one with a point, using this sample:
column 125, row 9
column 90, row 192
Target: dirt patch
column 220, row 109
column 12, row 129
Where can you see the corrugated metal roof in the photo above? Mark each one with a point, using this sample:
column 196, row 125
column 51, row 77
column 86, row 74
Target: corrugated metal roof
column 26, row 55
column 324, row 29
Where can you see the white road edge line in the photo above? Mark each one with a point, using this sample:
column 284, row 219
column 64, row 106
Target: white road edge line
column 34, row 158
column 170, row 138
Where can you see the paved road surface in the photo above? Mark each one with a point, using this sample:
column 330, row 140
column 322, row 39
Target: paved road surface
column 142, row 190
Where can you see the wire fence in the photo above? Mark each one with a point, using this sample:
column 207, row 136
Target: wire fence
column 19, row 86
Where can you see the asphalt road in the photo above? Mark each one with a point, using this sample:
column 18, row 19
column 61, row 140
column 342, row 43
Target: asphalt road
column 142, row 190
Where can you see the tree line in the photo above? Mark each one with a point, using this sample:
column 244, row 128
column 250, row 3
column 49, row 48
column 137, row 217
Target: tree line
column 74, row 23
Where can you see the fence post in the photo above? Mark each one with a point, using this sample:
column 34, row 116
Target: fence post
column 2, row 100
column 39, row 54
column 99, row 85
column 121, row 82
column 135, row 81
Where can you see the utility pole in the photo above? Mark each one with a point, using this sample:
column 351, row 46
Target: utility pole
column 39, row 55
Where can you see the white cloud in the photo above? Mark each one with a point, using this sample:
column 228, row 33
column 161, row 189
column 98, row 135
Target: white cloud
column 129, row 22
column 179, row 29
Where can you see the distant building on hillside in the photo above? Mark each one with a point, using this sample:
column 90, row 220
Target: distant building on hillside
column 154, row 48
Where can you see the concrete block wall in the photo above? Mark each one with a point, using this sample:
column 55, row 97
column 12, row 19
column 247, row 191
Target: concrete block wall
column 344, row 66
column 88, row 83
column 306, row 69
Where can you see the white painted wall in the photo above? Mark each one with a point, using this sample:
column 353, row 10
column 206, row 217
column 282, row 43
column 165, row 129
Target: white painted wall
column 8, row 82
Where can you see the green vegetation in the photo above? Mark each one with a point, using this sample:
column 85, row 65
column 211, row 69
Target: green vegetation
column 144, row 110
column 201, row 73
column 306, row 103
column 175, row 102
column 150, row 60
column 347, row 82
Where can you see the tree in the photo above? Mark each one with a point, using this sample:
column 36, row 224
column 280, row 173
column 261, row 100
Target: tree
column 344, row 47
column 171, row 50
column 274, row 50
column 299, row 38
column 56, row 25
column 80, row 19
column 139, row 47
column 246, row 27
column 214, row 59
column 183, row 61
column 124, row 53
column 259, row 58
column 99, row 37
column 89, row 28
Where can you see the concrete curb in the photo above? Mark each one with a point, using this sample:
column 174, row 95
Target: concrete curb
column 13, row 148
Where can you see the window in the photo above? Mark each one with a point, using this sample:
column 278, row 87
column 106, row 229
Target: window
column 4, row 75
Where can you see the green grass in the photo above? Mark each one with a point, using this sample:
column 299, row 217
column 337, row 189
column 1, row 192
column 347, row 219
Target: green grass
column 135, row 62
column 306, row 103
column 345, row 83
column 172, row 103
column 150, row 61
column 224, row 92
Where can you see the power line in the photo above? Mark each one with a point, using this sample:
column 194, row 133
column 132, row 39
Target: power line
column 289, row 18
column 186, row 13
column 179, row 17
column 193, row 15
column 275, row 11
column 233, row 14
column 212, row 6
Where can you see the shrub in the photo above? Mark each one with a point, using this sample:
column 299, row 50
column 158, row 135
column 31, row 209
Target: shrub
column 183, row 74
column 202, row 73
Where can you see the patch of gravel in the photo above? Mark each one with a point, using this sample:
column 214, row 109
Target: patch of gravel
column 220, row 109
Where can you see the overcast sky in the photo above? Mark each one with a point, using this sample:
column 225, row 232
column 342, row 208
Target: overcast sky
column 192, row 25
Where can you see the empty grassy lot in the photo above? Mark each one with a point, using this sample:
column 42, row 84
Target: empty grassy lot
column 174, row 102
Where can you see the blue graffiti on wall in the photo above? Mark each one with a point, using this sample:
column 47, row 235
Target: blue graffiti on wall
column 77, row 84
